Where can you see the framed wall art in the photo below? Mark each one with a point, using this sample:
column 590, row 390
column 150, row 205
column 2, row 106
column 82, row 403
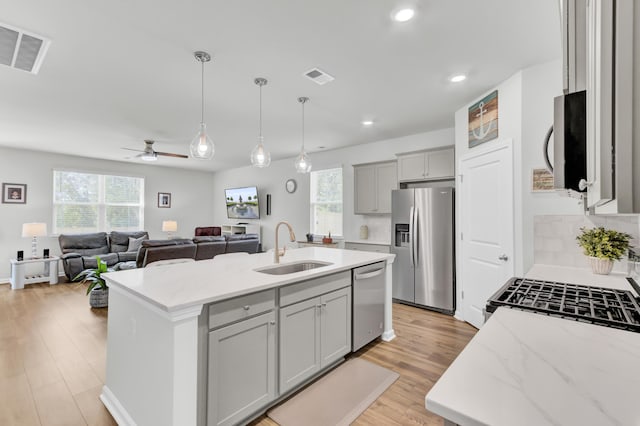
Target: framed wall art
column 541, row 180
column 164, row 200
column 14, row 193
column 483, row 120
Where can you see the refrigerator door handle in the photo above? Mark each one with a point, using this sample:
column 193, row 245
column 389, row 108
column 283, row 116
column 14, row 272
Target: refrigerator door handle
column 411, row 235
column 414, row 241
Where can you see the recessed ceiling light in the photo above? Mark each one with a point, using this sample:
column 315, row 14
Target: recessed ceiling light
column 367, row 123
column 458, row 78
column 403, row 15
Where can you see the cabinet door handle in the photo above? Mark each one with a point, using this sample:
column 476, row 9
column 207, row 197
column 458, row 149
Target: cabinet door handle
column 246, row 308
column 503, row 257
column 583, row 184
column 318, row 306
column 272, row 322
column 324, row 305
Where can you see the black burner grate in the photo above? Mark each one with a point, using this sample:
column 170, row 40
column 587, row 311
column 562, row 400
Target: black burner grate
column 604, row 306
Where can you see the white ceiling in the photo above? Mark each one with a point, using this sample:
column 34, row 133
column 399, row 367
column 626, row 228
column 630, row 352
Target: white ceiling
column 118, row 72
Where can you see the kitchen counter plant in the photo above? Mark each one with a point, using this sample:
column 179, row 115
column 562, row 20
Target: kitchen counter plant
column 603, row 246
column 97, row 289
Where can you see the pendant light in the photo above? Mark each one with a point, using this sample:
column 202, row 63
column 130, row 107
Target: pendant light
column 260, row 157
column 302, row 163
column 201, row 146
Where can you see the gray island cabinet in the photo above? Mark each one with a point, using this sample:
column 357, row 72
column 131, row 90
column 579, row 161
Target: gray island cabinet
column 217, row 342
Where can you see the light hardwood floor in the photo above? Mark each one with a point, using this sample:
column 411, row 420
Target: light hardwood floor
column 53, row 352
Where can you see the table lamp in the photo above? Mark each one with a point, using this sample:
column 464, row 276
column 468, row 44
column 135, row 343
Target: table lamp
column 34, row 230
column 169, row 226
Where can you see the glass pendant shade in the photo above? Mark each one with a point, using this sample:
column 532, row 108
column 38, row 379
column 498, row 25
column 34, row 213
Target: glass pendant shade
column 260, row 157
column 202, row 146
column 303, row 163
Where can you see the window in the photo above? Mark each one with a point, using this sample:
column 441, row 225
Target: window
column 326, row 202
column 87, row 202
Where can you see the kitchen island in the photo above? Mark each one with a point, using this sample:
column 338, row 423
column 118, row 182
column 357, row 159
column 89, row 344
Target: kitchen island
column 156, row 318
column 526, row 368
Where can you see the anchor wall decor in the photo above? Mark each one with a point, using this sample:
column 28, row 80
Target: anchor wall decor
column 483, row 120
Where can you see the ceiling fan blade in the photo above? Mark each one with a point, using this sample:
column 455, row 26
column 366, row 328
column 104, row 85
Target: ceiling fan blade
column 131, row 149
column 169, row 154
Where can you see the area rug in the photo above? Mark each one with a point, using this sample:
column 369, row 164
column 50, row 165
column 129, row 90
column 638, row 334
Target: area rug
column 337, row 398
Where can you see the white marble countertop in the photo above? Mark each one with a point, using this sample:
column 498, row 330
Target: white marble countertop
column 523, row 368
column 378, row 243
column 584, row 276
column 178, row 286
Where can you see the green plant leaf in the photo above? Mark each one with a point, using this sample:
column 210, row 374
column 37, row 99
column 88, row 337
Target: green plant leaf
column 603, row 243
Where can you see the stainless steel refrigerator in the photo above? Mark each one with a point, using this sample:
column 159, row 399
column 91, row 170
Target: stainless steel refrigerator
column 423, row 242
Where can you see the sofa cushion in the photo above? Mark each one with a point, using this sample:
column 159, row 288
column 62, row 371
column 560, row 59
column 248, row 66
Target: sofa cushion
column 237, row 237
column 208, row 231
column 120, row 240
column 154, row 250
column 209, row 247
column 91, row 262
column 135, row 243
column 208, row 239
column 161, row 243
column 127, row 256
column 85, row 244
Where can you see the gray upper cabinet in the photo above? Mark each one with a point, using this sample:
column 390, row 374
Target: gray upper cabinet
column 613, row 101
column 242, row 369
column 574, row 45
column 373, row 183
column 426, row 165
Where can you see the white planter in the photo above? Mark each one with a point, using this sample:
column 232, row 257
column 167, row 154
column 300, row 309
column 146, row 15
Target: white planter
column 600, row 266
column 99, row 298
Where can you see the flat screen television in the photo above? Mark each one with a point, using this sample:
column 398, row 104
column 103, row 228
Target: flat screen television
column 242, row 203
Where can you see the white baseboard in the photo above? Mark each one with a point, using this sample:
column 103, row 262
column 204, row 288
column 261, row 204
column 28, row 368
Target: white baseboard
column 116, row 409
column 388, row 335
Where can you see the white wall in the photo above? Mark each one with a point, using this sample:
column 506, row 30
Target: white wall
column 525, row 104
column 540, row 84
column 191, row 200
column 294, row 208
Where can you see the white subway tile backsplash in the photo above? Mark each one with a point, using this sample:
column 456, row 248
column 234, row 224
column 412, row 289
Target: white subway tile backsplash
column 555, row 237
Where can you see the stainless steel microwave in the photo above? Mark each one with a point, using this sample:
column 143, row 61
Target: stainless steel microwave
column 570, row 143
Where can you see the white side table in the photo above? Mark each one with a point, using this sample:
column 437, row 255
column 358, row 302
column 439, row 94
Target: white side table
column 19, row 278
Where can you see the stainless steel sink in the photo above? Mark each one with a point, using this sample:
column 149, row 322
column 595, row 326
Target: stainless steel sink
column 290, row 268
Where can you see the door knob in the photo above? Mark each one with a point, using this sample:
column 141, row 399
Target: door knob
column 503, row 257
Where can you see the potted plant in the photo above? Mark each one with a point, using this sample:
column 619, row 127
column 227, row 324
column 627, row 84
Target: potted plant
column 97, row 289
column 603, row 246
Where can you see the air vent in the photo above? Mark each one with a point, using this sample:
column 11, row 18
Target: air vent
column 22, row 50
column 318, row 76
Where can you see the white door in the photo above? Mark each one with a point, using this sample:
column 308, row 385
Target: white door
column 486, row 218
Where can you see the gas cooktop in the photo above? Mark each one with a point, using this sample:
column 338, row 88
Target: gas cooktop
column 595, row 305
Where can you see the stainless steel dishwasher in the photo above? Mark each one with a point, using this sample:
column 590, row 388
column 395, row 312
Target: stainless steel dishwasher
column 368, row 303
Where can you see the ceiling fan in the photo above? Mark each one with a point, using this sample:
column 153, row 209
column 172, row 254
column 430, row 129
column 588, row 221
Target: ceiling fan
column 149, row 154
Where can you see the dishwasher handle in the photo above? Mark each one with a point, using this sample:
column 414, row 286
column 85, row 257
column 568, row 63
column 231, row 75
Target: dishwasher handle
column 366, row 275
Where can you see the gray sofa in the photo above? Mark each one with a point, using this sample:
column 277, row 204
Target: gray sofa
column 79, row 251
column 154, row 250
column 200, row 248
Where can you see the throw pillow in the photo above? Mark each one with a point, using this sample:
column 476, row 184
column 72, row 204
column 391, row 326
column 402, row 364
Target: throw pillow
column 135, row 243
